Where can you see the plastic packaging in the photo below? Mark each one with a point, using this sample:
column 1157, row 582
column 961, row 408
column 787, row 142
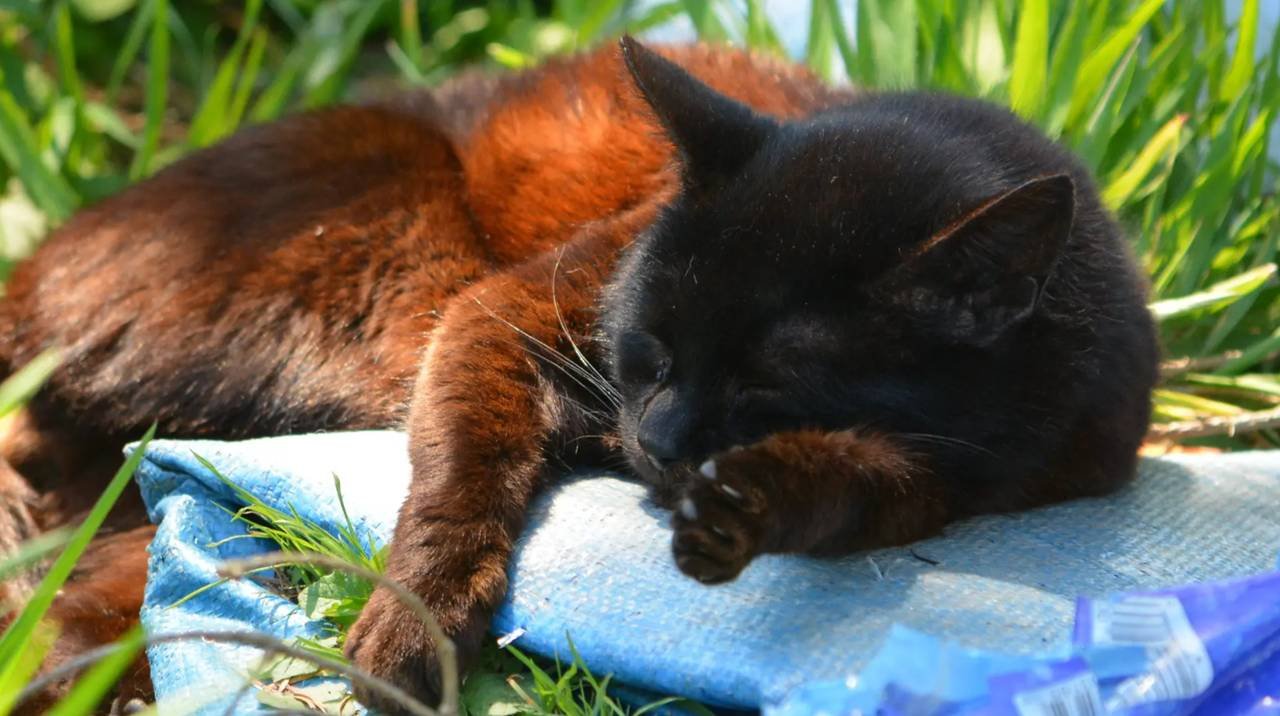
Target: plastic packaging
column 1202, row 649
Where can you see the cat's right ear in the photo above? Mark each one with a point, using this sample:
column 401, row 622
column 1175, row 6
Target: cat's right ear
column 715, row 135
column 985, row 272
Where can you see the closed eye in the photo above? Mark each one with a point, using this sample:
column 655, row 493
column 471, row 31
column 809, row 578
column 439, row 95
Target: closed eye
column 643, row 359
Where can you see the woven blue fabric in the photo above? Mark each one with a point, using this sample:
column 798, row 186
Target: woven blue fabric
column 595, row 564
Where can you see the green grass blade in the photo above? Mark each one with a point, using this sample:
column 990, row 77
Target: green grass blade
column 101, row 678
column 248, row 79
column 327, row 88
column 32, row 551
column 19, row 634
column 212, row 120
column 1252, row 355
column 129, row 50
column 105, row 120
column 411, row 33
column 18, row 388
column 843, row 43
column 157, row 90
column 887, row 42
column 1101, row 61
column 1198, row 404
column 1242, row 62
column 21, row 151
column 760, row 32
column 64, row 44
column 1161, row 147
column 820, row 45
column 1259, row 383
column 982, row 46
column 15, row 672
column 702, row 13
column 1217, row 296
column 1030, row 59
column 1067, row 54
column 1233, row 316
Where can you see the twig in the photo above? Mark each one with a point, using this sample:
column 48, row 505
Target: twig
column 1218, row 425
column 235, row 701
column 1178, row 366
column 446, row 653
column 257, row 640
column 922, row 558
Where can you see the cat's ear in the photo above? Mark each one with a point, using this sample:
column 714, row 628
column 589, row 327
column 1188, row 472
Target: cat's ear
column 715, row 135
column 986, row 270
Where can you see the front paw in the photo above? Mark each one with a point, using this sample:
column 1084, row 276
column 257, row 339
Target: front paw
column 390, row 642
column 720, row 519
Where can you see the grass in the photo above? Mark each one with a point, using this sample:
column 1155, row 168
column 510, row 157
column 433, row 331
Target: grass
column 1169, row 102
column 506, row 682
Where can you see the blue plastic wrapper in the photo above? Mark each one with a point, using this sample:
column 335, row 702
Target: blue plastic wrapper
column 1202, row 649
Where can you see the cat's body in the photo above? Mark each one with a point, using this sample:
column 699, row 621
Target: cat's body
column 836, row 296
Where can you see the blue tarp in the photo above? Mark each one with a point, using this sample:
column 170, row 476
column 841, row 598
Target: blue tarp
column 790, row 635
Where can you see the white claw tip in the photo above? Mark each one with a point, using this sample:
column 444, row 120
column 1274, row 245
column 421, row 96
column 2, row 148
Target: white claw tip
column 708, row 469
column 688, row 510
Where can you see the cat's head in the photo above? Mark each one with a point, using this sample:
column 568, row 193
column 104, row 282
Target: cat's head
column 843, row 270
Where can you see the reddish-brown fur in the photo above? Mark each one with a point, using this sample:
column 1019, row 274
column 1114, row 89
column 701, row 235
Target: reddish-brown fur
column 357, row 268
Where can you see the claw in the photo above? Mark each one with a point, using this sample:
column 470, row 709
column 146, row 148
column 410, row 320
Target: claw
column 708, row 469
column 731, row 492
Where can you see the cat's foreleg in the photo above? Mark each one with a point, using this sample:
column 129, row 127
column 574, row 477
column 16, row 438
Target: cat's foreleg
column 804, row 491
column 488, row 406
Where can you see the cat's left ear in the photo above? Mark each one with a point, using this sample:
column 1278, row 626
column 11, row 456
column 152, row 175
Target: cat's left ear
column 714, row 134
column 986, row 270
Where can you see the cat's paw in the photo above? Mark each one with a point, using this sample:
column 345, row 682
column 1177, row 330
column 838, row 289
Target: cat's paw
column 719, row 521
column 390, row 642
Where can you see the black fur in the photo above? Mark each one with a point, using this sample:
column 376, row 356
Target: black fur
column 918, row 263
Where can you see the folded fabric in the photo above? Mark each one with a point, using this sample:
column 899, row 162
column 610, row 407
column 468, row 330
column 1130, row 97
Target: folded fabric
column 594, row 565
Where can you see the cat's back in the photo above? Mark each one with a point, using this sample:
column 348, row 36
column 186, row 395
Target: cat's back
column 547, row 151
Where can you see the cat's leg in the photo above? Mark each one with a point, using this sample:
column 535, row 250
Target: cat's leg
column 804, row 491
column 50, row 476
column 96, row 606
column 488, row 406
column 17, row 525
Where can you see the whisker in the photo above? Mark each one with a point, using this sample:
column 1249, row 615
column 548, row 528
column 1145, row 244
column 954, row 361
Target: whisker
column 606, row 389
column 946, row 440
column 555, row 304
column 555, row 358
column 580, row 378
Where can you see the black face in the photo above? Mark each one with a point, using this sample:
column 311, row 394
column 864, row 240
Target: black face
column 873, row 266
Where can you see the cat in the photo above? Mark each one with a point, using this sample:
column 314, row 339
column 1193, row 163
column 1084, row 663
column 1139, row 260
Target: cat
column 811, row 319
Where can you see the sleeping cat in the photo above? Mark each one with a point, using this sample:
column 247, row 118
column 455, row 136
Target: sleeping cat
column 813, row 321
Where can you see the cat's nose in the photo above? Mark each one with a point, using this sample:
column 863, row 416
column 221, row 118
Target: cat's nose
column 665, row 429
column 661, row 450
